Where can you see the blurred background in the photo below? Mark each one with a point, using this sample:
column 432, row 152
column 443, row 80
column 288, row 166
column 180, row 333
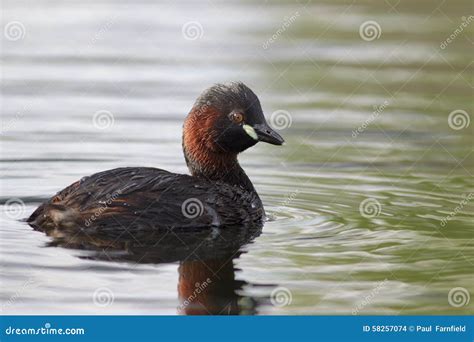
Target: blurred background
column 371, row 200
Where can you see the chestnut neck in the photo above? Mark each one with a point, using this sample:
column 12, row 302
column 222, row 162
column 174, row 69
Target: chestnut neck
column 206, row 160
column 214, row 167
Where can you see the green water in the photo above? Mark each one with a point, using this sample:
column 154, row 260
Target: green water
column 417, row 169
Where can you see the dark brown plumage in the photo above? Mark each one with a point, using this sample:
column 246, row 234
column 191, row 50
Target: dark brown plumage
column 147, row 198
column 225, row 120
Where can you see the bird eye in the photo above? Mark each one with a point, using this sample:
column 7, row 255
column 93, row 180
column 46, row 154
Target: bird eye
column 237, row 117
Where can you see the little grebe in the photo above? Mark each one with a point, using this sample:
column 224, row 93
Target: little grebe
column 225, row 120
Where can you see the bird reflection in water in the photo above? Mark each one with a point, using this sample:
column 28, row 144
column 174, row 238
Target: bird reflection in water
column 207, row 284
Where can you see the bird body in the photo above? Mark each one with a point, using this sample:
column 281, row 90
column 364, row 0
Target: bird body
column 224, row 121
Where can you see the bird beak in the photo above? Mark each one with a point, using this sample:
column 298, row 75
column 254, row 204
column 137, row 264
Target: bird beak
column 266, row 134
